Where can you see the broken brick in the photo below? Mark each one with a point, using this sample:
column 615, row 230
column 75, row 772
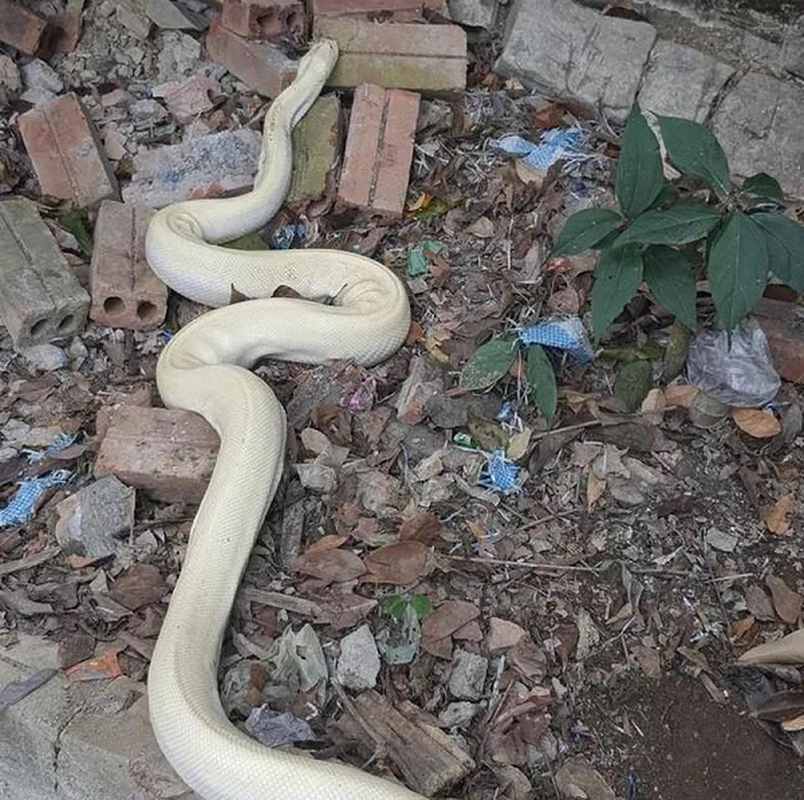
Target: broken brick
column 264, row 20
column 379, row 149
column 167, row 453
column 262, row 67
column 20, row 28
column 783, row 325
column 40, row 297
column 66, row 152
column 424, row 58
column 125, row 291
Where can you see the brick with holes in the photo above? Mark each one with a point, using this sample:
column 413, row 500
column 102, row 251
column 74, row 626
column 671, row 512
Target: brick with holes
column 430, row 59
column 262, row 67
column 66, row 152
column 167, row 453
column 19, row 27
column 264, row 20
column 379, row 149
column 40, row 297
column 125, row 292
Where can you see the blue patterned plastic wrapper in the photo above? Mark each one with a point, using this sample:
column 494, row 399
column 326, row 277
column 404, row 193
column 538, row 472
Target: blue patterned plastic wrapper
column 560, row 333
column 556, row 144
column 61, row 442
column 499, row 473
column 23, row 505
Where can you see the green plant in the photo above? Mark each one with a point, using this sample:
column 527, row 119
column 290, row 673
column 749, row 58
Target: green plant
column 394, row 605
column 664, row 236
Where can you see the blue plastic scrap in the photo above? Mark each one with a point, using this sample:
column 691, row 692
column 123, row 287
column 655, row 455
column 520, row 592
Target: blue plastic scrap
column 557, row 144
column 561, row 333
column 61, row 442
column 23, row 505
column 499, row 473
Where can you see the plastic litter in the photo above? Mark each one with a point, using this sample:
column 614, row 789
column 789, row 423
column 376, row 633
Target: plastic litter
column 418, row 263
column 742, row 375
column 364, row 396
column 274, row 729
column 499, row 473
column 582, row 196
column 557, row 144
column 285, row 237
column 23, row 505
column 61, row 442
column 560, row 333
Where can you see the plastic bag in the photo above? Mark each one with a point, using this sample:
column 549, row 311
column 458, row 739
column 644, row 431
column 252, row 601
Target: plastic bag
column 743, row 375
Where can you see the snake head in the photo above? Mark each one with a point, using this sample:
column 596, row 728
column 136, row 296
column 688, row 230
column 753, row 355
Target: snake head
column 319, row 61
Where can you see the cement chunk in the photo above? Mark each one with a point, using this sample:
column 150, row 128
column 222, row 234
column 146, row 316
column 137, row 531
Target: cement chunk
column 574, row 53
column 682, row 82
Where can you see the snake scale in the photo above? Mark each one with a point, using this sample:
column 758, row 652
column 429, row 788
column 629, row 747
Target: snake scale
column 205, row 368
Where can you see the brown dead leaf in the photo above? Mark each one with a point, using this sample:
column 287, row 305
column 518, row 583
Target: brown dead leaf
column 776, row 518
column 649, row 660
column 367, row 529
column 469, row 633
column 424, row 528
column 786, row 602
column 565, row 301
column 594, row 490
column 759, row 604
column 329, row 542
column 653, row 407
column 448, row 618
column 528, row 659
column 139, row 586
column 330, row 566
column 756, row 423
column 741, row 627
column 342, row 610
column 104, row 667
column 400, row 564
column 680, row 395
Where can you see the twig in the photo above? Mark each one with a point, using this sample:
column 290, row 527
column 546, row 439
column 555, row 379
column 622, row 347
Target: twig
column 567, row 428
column 29, row 561
column 530, row 565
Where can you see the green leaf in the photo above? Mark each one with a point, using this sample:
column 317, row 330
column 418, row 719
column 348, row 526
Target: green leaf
column 681, row 224
column 488, row 364
column 249, row 241
column 633, row 384
column 695, row 151
column 784, row 238
column 421, row 604
column 617, row 277
column 763, row 185
column 76, row 222
column 738, row 269
column 640, row 176
column 542, row 381
column 394, row 605
column 667, row 195
column 670, row 277
column 585, row 229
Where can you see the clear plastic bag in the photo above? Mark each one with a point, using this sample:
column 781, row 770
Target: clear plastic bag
column 742, row 375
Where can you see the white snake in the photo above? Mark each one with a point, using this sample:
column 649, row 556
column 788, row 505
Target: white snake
column 205, row 369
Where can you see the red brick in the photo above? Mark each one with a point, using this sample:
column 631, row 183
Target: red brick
column 783, row 324
column 262, row 67
column 379, row 149
column 264, row 20
column 167, row 453
column 125, row 292
column 424, row 58
column 19, row 27
column 67, row 153
column 400, row 10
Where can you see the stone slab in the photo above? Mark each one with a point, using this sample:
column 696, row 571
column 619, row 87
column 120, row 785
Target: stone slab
column 571, row 52
column 682, row 82
column 474, row 13
column 316, row 147
column 759, row 124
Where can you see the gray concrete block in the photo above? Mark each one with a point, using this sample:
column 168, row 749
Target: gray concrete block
column 682, row 82
column 759, row 125
column 474, row 13
column 574, row 53
column 40, row 297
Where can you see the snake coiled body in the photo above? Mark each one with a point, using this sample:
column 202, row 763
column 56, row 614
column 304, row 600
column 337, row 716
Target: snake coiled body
column 205, row 368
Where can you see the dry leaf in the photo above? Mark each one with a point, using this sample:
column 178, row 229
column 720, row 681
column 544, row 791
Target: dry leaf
column 330, row 566
column 756, row 423
column 759, row 604
column 424, row 528
column 400, row 564
column 329, row 542
column 795, row 724
column 680, row 395
column 788, row 650
column 106, row 666
column 786, row 602
column 594, row 490
column 741, row 627
column 448, row 618
column 141, row 585
column 776, row 519
column 653, row 407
